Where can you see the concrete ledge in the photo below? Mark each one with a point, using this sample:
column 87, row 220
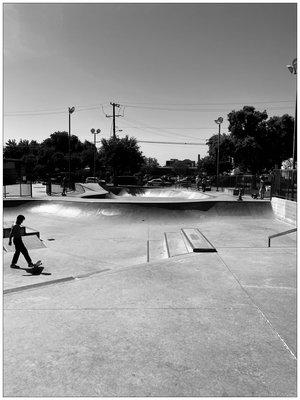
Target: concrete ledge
column 285, row 209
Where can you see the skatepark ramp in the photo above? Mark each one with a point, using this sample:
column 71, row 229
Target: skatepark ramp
column 30, row 237
column 82, row 190
column 136, row 207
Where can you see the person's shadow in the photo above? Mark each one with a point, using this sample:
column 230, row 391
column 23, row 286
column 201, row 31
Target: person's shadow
column 34, row 271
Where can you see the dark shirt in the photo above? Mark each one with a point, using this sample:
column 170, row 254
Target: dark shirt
column 15, row 232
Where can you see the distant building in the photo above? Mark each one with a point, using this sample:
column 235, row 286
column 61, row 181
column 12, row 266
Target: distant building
column 173, row 161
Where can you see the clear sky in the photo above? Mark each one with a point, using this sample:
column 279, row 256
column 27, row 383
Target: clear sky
column 174, row 68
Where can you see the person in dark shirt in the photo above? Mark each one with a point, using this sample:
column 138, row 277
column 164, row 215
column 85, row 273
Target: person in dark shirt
column 15, row 234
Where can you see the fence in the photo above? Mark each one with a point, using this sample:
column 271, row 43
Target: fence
column 248, row 183
column 284, row 184
column 17, row 190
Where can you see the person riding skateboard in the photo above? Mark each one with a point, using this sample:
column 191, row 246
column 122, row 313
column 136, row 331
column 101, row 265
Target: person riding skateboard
column 20, row 247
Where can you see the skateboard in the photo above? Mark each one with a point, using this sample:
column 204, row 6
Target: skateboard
column 36, row 269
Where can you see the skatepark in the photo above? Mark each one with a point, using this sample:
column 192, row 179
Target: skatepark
column 128, row 305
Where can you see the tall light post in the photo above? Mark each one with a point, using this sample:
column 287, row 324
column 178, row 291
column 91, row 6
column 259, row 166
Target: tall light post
column 218, row 122
column 95, row 132
column 293, row 70
column 71, row 110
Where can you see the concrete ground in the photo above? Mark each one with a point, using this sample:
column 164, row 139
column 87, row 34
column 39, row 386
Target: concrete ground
column 108, row 323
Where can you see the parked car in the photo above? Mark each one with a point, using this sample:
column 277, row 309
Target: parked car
column 185, row 182
column 92, row 179
column 155, row 182
column 125, row 180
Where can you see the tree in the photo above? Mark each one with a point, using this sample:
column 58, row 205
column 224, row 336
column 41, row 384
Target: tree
column 181, row 168
column 248, row 129
column 207, row 164
column 226, row 151
column 255, row 142
column 278, row 142
column 121, row 155
column 12, row 150
column 149, row 166
column 59, row 161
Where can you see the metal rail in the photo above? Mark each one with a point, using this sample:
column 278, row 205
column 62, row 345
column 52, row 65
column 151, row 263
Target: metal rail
column 280, row 234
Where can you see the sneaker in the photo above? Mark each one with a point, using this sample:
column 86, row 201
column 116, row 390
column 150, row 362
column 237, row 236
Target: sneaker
column 14, row 266
column 31, row 265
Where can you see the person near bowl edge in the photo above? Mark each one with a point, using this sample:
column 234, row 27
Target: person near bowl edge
column 20, row 247
column 262, row 187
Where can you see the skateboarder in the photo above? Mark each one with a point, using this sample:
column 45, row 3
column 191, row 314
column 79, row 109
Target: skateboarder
column 15, row 233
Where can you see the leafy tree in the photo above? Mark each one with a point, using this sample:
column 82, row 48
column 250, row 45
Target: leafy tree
column 58, row 141
column 150, row 165
column 87, row 156
column 12, row 150
column 29, row 162
column 59, row 161
column 278, row 141
column 248, row 129
column 254, row 142
column 121, row 155
column 181, row 168
column 225, row 153
column 207, row 164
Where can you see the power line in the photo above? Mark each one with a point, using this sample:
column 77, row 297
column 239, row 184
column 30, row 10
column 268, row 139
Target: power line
column 166, row 127
column 211, row 104
column 208, row 110
column 48, row 112
column 80, row 108
column 149, row 130
column 187, row 143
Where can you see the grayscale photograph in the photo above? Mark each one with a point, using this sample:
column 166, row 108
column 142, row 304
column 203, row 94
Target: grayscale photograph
column 149, row 199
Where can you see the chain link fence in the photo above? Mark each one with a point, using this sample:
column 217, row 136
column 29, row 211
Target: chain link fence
column 284, row 184
column 17, row 190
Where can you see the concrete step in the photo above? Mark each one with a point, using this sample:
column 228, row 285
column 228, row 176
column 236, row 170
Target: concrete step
column 30, row 241
column 198, row 242
column 156, row 250
column 175, row 244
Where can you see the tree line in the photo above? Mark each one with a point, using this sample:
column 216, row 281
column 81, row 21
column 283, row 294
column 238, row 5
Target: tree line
column 255, row 143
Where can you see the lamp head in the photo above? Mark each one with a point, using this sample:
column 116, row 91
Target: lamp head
column 93, row 130
column 293, row 68
column 98, row 130
column 71, row 110
column 219, row 120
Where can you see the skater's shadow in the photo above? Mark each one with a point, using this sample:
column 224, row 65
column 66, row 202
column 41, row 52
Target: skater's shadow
column 34, row 271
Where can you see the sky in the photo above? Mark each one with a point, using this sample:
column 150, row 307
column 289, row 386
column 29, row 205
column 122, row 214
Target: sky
column 174, row 68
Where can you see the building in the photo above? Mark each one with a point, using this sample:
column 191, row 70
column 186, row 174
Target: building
column 172, row 161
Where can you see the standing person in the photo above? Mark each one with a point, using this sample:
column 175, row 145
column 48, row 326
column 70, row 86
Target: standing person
column 204, row 182
column 15, row 233
column 262, row 187
column 198, row 182
column 64, row 186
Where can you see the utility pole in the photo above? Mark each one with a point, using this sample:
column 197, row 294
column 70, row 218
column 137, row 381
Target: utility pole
column 293, row 70
column 114, row 106
column 71, row 110
column 95, row 132
column 219, row 122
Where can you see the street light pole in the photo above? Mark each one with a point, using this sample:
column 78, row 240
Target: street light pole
column 293, row 70
column 71, row 110
column 218, row 122
column 95, row 132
